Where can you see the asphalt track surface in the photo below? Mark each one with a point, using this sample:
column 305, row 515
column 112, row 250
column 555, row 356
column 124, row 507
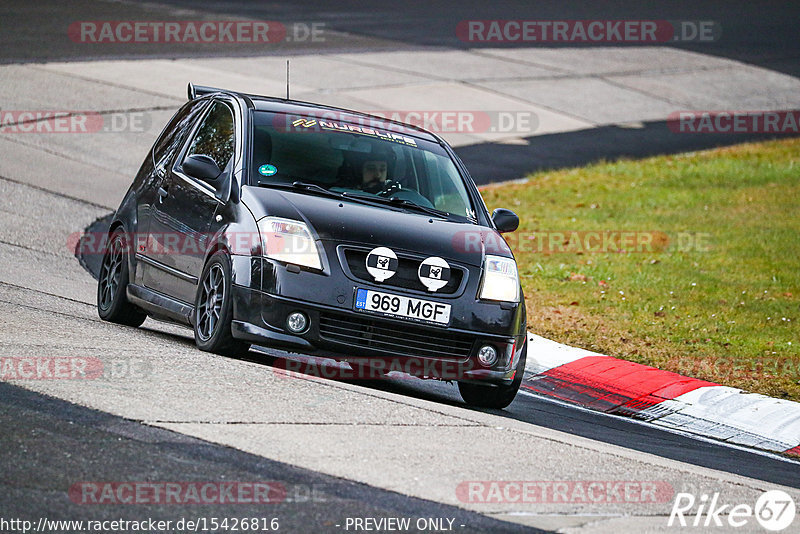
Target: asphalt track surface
column 47, row 444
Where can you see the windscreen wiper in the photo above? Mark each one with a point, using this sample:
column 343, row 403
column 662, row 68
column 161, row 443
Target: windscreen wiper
column 303, row 186
column 317, row 189
column 314, row 187
column 403, row 203
column 425, row 209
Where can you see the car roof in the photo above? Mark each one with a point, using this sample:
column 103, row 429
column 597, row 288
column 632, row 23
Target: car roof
column 318, row 111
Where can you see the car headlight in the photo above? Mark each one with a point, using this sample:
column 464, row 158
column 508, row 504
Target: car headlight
column 500, row 279
column 290, row 241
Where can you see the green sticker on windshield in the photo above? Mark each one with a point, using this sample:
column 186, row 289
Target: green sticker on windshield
column 267, row 170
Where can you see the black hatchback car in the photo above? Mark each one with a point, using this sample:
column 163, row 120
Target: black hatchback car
column 322, row 231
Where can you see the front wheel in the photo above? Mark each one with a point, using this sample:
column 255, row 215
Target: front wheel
column 112, row 301
column 213, row 309
column 498, row 397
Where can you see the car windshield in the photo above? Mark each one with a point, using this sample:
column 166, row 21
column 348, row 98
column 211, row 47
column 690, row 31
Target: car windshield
column 356, row 159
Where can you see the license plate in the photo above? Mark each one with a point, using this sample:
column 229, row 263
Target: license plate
column 403, row 307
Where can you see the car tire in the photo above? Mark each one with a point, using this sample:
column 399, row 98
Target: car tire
column 498, row 397
column 112, row 299
column 213, row 309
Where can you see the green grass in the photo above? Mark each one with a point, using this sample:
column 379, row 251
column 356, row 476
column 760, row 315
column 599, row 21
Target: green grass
column 725, row 311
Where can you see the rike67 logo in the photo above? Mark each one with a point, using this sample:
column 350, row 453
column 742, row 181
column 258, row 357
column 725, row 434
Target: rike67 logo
column 774, row 510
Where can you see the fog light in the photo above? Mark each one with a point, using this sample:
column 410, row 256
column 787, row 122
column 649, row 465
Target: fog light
column 297, row 322
column 487, row 355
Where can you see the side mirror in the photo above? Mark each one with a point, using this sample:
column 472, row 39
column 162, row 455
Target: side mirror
column 202, row 167
column 505, row 220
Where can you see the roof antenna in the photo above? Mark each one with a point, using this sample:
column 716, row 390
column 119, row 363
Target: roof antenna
column 287, row 79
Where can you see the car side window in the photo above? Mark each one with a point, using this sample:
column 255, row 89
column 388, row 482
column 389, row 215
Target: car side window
column 175, row 132
column 215, row 137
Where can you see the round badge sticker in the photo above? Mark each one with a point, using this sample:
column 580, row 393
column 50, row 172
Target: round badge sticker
column 267, row 170
column 381, row 263
column 434, row 273
column 775, row 510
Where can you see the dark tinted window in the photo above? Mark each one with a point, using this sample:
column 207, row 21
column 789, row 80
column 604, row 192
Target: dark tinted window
column 215, row 137
column 175, row 132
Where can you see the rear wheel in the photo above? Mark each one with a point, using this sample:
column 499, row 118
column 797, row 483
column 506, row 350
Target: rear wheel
column 112, row 301
column 213, row 309
column 499, row 397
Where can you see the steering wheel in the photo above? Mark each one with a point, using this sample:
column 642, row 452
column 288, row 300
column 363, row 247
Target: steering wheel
column 409, row 195
column 390, row 187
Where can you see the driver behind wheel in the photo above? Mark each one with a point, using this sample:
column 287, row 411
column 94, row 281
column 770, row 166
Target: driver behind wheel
column 368, row 172
column 375, row 170
column 373, row 175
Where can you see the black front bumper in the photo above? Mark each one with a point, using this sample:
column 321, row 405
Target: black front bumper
column 336, row 332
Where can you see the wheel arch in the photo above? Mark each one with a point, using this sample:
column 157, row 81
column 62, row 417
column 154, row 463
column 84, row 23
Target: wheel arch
column 117, row 224
column 240, row 263
column 214, row 248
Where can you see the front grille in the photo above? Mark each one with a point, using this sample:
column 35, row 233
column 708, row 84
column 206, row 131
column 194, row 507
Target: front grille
column 406, row 275
column 401, row 339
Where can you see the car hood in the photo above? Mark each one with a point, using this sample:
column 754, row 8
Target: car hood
column 351, row 222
